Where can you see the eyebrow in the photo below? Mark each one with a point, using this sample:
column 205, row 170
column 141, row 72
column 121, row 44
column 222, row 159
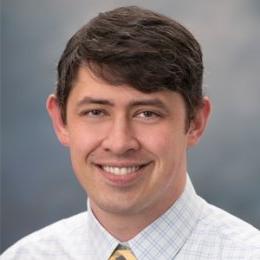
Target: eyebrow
column 134, row 103
column 149, row 102
column 90, row 100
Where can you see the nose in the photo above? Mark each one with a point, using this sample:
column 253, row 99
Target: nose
column 120, row 138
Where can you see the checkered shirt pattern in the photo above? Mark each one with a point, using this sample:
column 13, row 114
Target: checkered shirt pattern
column 191, row 229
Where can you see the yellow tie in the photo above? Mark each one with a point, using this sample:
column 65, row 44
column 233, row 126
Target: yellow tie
column 122, row 253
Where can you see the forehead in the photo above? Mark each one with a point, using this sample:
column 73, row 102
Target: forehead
column 87, row 85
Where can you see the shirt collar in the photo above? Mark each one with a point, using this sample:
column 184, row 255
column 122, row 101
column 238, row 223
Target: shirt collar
column 103, row 243
column 164, row 237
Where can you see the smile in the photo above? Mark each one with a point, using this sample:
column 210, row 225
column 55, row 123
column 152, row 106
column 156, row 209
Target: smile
column 121, row 170
column 122, row 174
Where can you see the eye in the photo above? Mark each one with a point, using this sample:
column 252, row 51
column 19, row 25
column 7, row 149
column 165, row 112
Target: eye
column 93, row 113
column 148, row 115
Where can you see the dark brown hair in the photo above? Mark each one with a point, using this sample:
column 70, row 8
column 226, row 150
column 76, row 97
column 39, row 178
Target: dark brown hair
column 138, row 47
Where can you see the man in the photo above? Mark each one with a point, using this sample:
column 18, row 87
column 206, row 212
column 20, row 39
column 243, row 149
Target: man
column 128, row 105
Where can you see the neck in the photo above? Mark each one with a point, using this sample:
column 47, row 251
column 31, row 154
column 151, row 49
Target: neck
column 124, row 227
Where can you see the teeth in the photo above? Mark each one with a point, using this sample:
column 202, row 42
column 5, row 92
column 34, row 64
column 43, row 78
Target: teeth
column 120, row 170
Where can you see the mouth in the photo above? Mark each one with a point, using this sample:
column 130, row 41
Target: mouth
column 121, row 170
column 119, row 174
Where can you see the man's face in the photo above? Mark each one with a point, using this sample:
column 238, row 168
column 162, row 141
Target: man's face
column 128, row 148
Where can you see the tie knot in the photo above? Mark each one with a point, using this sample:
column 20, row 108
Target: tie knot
column 122, row 253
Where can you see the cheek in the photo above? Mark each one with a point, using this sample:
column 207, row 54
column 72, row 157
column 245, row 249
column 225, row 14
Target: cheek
column 84, row 139
column 164, row 141
column 157, row 145
column 169, row 150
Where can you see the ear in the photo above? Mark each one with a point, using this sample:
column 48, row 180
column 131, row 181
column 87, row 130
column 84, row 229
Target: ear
column 59, row 126
column 199, row 123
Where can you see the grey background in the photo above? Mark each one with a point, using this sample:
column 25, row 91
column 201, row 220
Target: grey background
column 38, row 186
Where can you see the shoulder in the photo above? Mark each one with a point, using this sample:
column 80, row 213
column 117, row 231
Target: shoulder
column 229, row 227
column 229, row 236
column 52, row 241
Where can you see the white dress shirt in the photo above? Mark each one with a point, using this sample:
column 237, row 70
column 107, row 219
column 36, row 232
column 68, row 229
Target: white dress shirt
column 191, row 229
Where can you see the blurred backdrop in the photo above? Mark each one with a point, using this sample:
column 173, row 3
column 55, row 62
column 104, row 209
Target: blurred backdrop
column 38, row 185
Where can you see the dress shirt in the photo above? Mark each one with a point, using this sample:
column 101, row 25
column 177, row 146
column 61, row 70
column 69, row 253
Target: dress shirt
column 191, row 229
